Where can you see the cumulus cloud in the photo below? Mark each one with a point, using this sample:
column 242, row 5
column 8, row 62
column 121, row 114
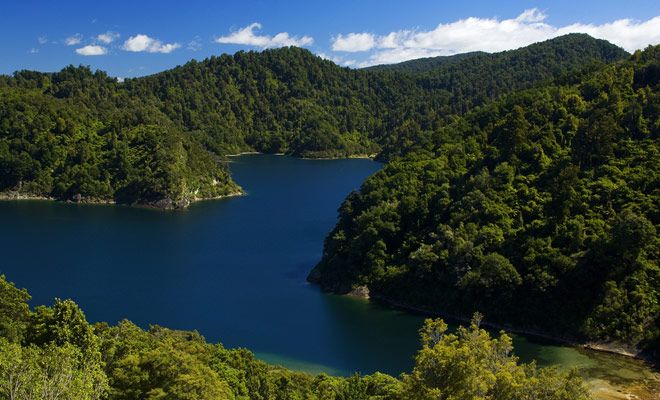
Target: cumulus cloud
column 42, row 39
column 491, row 35
column 108, row 37
column 248, row 37
column 92, row 50
column 145, row 43
column 354, row 42
column 627, row 33
column 337, row 59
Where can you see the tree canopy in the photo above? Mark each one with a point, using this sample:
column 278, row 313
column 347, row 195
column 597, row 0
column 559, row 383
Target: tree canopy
column 162, row 139
column 541, row 209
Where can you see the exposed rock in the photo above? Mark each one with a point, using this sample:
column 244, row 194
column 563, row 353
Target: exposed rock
column 360, row 291
column 164, row 204
column 77, row 198
column 182, row 204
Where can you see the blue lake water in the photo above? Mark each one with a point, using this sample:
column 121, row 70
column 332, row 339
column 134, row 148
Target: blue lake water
column 234, row 269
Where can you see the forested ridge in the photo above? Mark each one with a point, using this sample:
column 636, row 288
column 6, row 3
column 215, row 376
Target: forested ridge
column 162, row 139
column 541, row 209
column 537, row 207
column 52, row 352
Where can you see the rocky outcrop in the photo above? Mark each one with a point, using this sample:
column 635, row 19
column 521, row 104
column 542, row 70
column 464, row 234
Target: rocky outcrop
column 360, row 291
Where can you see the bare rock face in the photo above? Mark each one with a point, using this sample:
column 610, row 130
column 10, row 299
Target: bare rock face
column 77, row 198
column 164, row 204
column 360, row 291
column 182, row 204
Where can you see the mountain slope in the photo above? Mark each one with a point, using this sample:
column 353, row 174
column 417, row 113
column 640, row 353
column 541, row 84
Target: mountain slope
column 542, row 209
column 161, row 139
column 512, row 58
column 425, row 64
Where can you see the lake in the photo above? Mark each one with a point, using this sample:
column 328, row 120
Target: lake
column 234, row 269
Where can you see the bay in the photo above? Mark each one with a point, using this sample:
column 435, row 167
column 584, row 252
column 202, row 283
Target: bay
column 234, row 269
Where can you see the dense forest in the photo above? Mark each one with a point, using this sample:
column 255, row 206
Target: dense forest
column 523, row 185
column 52, row 352
column 162, row 139
column 541, row 209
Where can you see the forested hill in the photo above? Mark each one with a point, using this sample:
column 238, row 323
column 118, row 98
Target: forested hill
column 512, row 60
column 541, row 209
column 161, row 139
column 425, row 64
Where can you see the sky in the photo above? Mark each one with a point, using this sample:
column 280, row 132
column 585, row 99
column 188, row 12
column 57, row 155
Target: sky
column 137, row 38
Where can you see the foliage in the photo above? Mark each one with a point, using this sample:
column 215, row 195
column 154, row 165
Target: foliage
column 64, row 357
column 541, row 209
column 470, row 365
column 162, row 139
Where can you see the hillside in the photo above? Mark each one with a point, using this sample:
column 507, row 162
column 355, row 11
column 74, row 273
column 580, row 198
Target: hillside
column 425, row 64
column 512, row 61
column 161, row 140
column 541, row 209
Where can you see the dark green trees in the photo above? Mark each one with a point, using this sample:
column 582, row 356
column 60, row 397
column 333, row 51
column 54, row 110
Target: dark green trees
column 541, row 209
column 162, row 139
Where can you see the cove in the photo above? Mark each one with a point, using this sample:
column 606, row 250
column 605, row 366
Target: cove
column 234, row 269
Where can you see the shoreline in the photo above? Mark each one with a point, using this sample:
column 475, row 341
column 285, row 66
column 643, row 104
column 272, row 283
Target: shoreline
column 27, row 196
column 621, row 349
column 353, row 156
column 242, row 153
column 15, row 196
column 601, row 388
column 231, row 194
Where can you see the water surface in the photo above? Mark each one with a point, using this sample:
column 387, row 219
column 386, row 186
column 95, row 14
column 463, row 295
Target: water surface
column 234, row 269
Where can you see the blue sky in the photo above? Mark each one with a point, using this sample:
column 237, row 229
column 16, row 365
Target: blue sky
column 137, row 38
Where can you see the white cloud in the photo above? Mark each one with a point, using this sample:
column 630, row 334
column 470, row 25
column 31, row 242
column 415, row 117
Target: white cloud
column 354, row 42
column 491, row 35
column 42, row 39
column 33, row 51
column 629, row 34
column 108, row 37
column 73, row 39
column 339, row 59
column 247, row 36
column 396, row 55
column 145, row 43
column 92, row 50
column 120, row 79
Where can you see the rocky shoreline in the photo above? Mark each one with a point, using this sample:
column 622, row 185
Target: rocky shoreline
column 162, row 204
column 364, row 292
